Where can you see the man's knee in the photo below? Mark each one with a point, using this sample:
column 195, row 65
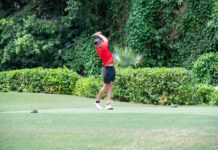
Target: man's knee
column 106, row 87
column 111, row 85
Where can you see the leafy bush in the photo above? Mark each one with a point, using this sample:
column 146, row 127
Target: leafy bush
column 172, row 33
column 205, row 93
column 206, row 67
column 150, row 84
column 83, row 58
column 167, row 32
column 195, row 94
column 126, row 57
column 214, row 98
column 28, row 42
column 60, row 81
column 172, row 85
column 4, row 85
column 87, row 87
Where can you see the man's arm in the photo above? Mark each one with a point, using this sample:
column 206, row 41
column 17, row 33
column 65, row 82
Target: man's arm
column 101, row 37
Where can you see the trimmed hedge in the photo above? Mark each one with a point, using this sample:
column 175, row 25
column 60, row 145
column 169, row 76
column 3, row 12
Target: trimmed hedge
column 169, row 85
column 191, row 94
column 88, row 87
column 60, row 81
column 214, row 98
column 206, row 68
column 150, row 84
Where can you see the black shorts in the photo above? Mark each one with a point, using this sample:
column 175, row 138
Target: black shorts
column 109, row 74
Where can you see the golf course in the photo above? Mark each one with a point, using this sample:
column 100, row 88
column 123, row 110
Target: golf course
column 73, row 123
column 108, row 75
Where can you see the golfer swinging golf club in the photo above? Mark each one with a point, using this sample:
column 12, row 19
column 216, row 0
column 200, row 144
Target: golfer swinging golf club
column 101, row 45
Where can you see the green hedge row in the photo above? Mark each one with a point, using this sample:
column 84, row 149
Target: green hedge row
column 60, row 81
column 88, row 87
column 206, row 68
column 191, row 94
column 149, row 85
column 174, row 85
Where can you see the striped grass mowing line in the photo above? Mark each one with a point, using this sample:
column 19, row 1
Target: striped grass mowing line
column 210, row 111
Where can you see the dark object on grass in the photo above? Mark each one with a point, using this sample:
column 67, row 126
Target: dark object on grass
column 174, row 106
column 34, row 111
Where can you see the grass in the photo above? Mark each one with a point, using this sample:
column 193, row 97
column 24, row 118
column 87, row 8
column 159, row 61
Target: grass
column 68, row 122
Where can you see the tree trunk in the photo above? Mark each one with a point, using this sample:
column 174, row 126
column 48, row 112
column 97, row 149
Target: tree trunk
column 63, row 5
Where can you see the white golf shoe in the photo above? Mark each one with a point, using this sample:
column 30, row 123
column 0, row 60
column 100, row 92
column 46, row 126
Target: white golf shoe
column 109, row 107
column 98, row 106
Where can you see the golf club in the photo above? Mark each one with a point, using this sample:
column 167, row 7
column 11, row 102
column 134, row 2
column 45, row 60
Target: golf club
column 81, row 40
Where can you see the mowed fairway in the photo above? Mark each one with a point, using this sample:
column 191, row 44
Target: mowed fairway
column 72, row 123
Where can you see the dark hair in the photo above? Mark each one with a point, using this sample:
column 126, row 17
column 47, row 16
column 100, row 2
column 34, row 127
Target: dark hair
column 97, row 41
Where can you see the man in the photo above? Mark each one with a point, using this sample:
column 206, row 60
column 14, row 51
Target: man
column 101, row 44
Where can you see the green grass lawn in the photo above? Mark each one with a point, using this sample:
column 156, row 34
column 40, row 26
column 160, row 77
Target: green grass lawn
column 72, row 123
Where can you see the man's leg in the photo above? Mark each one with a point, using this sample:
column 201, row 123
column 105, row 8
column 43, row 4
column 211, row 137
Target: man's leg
column 104, row 88
column 109, row 92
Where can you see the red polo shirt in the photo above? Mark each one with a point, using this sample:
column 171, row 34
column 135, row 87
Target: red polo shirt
column 105, row 54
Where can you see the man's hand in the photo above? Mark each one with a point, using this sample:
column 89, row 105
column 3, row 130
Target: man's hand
column 101, row 36
column 97, row 34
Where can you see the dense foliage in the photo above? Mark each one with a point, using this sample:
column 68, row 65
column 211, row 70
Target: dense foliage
column 83, row 58
column 172, row 32
column 48, row 34
column 60, row 81
column 28, row 43
column 206, row 68
column 175, row 85
column 126, row 57
column 196, row 94
column 149, row 85
column 56, row 34
column 87, row 87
